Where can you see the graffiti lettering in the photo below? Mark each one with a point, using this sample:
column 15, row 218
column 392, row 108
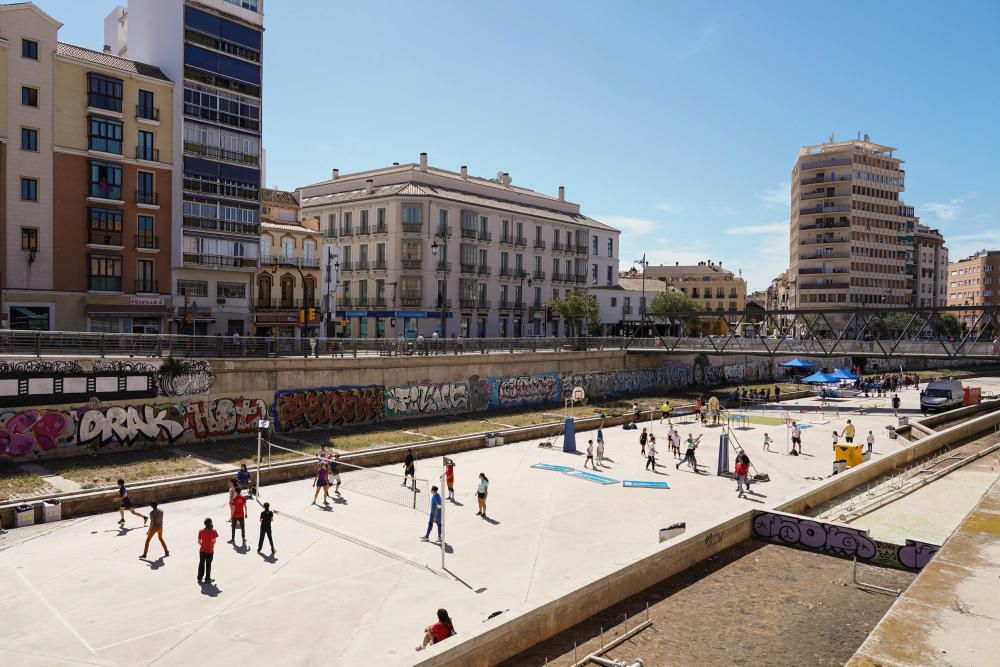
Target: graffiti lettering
column 328, row 406
column 426, row 399
column 225, row 416
column 185, row 378
column 915, row 555
column 713, row 538
column 511, row 391
column 125, row 425
column 625, row 382
column 33, row 432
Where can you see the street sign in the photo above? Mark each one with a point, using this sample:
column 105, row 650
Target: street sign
column 263, row 423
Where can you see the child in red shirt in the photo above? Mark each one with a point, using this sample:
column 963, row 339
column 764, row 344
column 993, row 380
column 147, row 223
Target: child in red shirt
column 206, row 550
column 439, row 631
column 239, row 515
column 449, row 478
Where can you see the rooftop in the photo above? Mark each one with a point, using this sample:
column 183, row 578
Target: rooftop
column 279, row 197
column 700, row 269
column 856, row 144
column 110, row 61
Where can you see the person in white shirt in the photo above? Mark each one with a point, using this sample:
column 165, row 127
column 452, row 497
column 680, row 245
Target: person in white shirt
column 871, row 441
column 651, row 453
column 796, row 439
column 590, row 455
column 675, row 443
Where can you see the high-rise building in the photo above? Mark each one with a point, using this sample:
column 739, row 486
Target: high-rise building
column 87, row 187
column 930, row 268
column 420, row 249
column 974, row 281
column 213, row 49
column 851, row 234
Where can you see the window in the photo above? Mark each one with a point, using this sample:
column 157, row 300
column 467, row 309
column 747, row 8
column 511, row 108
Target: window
column 380, row 219
column 29, row 49
column 145, row 237
column 593, row 273
column 105, row 227
column 611, row 247
column 104, row 92
column 105, row 273
column 144, row 148
column 229, row 290
column 221, row 106
column 145, row 108
column 192, row 287
column 145, row 193
column 29, row 239
column 105, row 135
column 287, row 249
column 593, row 250
column 29, row 189
column 105, row 180
column 29, row 139
column 610, row 275
column 29, row 96
column 309, row 252
column 145, row 277
column 614, row 301
column 33, row 318
column 443, row 221
column 413, row 215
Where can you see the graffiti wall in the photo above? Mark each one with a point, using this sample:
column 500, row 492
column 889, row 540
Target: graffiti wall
column 608, row 384
column 426, row 398
column 516, row 390
column 37, row 432
column 328, row 406
column 841, row 541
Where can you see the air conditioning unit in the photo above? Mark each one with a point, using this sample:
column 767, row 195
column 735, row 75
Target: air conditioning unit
column 221, row 302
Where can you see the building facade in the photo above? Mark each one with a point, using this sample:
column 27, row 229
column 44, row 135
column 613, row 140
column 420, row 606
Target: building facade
column 713, row 287
column 213, row 49
column 421, row 250
column 930, row 268
column 88, row 170
column 620, row 306
column 779, row 297
column 851, row 234
column 974, row 281
column 286, row 300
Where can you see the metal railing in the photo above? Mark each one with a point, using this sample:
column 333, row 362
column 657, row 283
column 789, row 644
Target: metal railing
column 147, row 112
column 284, row 304
column 147, row 198
column 147, row 153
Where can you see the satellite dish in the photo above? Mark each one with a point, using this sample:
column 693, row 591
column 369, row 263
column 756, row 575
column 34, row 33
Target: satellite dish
column 578, row 394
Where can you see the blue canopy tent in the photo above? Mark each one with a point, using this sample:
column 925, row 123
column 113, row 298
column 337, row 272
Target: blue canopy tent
column 796, row 363
column 819, row 378
column 841, row 374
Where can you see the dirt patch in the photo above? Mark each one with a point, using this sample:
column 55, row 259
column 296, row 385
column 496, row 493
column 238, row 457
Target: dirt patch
column 753, row 604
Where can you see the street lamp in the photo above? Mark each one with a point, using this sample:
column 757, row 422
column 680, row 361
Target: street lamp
column 443, row 265
column 333, row 259
column 642, row 302
column 523, row 299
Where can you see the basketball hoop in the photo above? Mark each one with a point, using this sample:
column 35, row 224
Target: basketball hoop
column 578, row 394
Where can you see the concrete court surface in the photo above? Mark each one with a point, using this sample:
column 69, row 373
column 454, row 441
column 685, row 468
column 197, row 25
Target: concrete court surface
column 355, row 585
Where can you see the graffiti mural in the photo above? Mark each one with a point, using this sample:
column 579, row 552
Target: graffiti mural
column 628, row 381
column 753, row 368
column 185, row 378
column 328, row 406
column 36, row 433
column 705, row 374
column 515, row 390
column 41, row 382
column 841, row 541
column 426, row 398
column 479, row 393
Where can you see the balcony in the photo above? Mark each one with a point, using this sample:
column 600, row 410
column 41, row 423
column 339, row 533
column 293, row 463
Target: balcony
column 557, row 277
column 824, row 163
column 288, row 261
column 412, row 264
column 581, row 279
column 106, row 102
column 105, row 191
column 146, row 153
column 819, row 210
column 827, row 240
column 413, row 227
column 346, row 231
column 823, row 195
column 482, row 304
column 216, row 153
column 361, row 302
column 469, row 234
column 444, row 231
column 346, row 266
column 147, row 286
column 485, row 236
column 147, row 113
column 379, row 265
column 144, row 198
column 147, row 242
column 626, row 310
column 379, row 302
column 483, row 270
column 506, row 239
column 219, row 261
column 557, row 247
column 443, row 266
column 539, row 244
column 538, row 275
column 105, row 238
column 468, row 268
column 581, row 250
column 521, row 241
column 505, row 272
column 284, row 304
column 381, row 228
column 442, row 303
column 825, row 285
column 824, row 179
column 505, row 304
column 839, row 254
column 364, row 230
column 226, row 226
column 826, row 225
column 410, row 300
column 819, row 270
column 362, row 264
column 104, row 283
column 467, row 304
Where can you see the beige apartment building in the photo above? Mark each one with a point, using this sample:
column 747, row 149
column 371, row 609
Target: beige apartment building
column 974, row 281
column 713, row 287
column 286, row 303
column 87, row 183
column 421, row 250
column 851, row 234
column 930, row 268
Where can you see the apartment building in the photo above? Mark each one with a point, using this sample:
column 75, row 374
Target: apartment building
column 214, row 50
column 779, row 297
column 87, row 177
column 974, row 281
column 851, row 234
column 286, row 303
column 930, row 268
column 421, row 250
column 620, row 306
column 713, row 287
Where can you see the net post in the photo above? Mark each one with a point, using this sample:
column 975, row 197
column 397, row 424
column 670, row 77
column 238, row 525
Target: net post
column 444, row 539
column 262, row 424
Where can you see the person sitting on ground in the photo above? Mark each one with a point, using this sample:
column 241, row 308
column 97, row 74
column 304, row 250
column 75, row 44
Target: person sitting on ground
column 438, row 632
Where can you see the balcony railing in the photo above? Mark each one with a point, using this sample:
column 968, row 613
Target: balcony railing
column 483, row 270
column 824, row 179
column 381, row 228
column 812, row 210
column 347, row 231
column 410, row 264
column 581, row 250
column 520, row 273
column 147, row 286
column 557, row 247
column 147, row 153
column 557, row 277
column 284, row 260
column 379, row 265
column 147, row 241
column 830, row 240
column 410, row 300
column 443, row 230
column 220, row 261
column 101, row 237
column 506, row 239
column 227, row 226
column 809, row 270
column 104, row 283
column 442, row 303
column 216, row 153
column 362, row 265
column 469, row 233
column 580, row 279
column 823, row 195
column 506, row 304
column 467, row 268
column 539, row 244
column 284, row 304
column 823, row 163
column 346, row 266
column 104, row 191
column 146, row 112
column 843, row 254
column 826, row 225
column 538, row 275
column 443, row 266
column 361, row 301
column 505, row 272
column 485, row 236
column 521, row 241
column 364, row 230
column 825, row 285
column 413, row 227
column 147, row 198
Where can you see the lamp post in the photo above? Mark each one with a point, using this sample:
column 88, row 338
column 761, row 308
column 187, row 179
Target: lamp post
column 642, row 301
column 442, row 303
column 332, row 264
column 523, row 300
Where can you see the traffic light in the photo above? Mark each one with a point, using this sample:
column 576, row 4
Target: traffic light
column 302, row 316
column 311, row 315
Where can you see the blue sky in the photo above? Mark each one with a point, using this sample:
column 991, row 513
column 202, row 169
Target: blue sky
column 679, row 122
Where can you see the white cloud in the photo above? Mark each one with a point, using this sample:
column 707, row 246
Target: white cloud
column 770, row 228
column 945, row 211
column 631, row 224
column 669, row 207
column 779, row 195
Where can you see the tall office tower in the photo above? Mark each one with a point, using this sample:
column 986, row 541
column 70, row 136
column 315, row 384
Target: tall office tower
column 214, row 49
column 851, row 235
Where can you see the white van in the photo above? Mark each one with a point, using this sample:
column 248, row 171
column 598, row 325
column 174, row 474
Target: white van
column 941, row 395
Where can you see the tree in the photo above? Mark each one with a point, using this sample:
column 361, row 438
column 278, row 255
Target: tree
column 676, row 302
column 947, row 324
column 575, row 308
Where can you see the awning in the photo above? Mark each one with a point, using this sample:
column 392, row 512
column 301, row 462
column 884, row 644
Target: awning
column 796, row 363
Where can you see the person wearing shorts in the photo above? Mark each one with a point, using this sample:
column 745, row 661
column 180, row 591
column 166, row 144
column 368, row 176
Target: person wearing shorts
column 689, row 457
column 849, row 432
column 322, row 481
column 482, row 490
column 155, row 528
column 335, row 473
column 409, row 469
column 651, row 453
column 796, row 439
column 590, row 455
column 449, row 478
column 125, row 503
column 643, row 437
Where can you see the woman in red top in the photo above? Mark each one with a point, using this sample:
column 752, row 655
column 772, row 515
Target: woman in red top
column 206, row 549
column 439, row 631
